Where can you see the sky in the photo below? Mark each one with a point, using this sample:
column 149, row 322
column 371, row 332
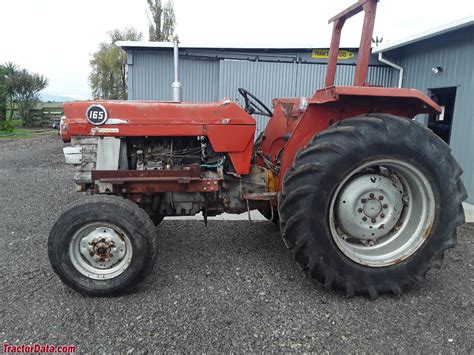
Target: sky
column 57, row 37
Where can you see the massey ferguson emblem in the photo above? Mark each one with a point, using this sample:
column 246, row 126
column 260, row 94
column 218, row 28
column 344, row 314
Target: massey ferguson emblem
column 96, row 114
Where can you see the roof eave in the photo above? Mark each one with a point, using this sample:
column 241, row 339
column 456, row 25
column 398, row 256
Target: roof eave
column 466, row 22
column 169, row 45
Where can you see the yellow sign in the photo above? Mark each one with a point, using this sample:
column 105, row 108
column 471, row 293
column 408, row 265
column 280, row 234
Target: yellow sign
column 324, row 54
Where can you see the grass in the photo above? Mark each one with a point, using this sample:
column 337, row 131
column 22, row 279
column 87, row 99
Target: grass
column 20, row 132
column 17, row 123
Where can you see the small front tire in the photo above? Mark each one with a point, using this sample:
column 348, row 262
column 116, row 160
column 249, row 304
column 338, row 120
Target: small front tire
column 102, row 245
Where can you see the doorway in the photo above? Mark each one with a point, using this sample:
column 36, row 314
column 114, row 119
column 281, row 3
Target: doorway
column 442, row 123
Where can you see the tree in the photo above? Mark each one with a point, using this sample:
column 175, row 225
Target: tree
column 162, row 21
column 24, row 88
column 108, row 78
column 6, row 94
column 3, row 93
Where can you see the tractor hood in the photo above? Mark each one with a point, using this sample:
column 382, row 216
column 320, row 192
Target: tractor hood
column 229, row 128
column 153, row 113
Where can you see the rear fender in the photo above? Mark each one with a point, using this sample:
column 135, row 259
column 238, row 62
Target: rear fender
column 333, row 104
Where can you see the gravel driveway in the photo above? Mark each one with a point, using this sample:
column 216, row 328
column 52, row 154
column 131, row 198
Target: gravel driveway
column 230, row 286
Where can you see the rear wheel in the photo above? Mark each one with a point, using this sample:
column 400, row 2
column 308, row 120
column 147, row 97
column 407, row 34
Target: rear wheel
column 102, row 245
column 371, row 204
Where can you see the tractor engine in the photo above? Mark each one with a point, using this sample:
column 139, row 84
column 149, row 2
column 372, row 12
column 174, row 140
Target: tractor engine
column 158, row 174
column 166, row 153
column 172, row 154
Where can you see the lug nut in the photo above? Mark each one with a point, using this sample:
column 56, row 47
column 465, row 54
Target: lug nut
column 359, row 210
column 382, row 215
column 371, row 195
column 373, row 220
column 363, row 200
column 364, row 218
column 385, row 206
column 380, row 197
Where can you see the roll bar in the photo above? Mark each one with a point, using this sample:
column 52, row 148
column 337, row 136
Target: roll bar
column 369, row 7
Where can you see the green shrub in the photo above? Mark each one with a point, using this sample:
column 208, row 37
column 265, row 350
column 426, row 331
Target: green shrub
column 7, row 126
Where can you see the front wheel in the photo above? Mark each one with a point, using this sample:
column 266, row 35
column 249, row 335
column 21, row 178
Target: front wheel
column 102, row 245
column 371, row 204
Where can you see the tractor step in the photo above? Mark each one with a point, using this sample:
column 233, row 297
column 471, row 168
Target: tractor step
column 263, row 196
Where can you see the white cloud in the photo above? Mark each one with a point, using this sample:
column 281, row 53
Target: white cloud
column 56, row 37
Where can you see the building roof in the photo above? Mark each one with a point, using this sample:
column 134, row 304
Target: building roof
column 184, row 45
column 465, row 22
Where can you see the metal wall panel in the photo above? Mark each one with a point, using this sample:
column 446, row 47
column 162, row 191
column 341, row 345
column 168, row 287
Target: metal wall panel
column 199, row 80
column 311, row 77
column 380, row 75
column 279, row 55
column 265, row 80
column 454, row 52
column 150, row 76
column 271, row 80
column 151, row 73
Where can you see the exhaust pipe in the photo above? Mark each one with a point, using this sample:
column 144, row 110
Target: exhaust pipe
column 176, row 85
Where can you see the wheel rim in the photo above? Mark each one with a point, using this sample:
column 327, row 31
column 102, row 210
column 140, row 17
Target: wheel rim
column 100, row 251
column 382, row 212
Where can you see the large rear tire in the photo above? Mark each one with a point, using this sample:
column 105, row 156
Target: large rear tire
column 102, row 245
column 371, row 204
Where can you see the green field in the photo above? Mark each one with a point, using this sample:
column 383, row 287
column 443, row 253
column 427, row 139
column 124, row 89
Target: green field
column 20, row 132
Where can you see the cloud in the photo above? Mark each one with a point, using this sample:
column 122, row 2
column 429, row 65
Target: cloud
column 56, row 37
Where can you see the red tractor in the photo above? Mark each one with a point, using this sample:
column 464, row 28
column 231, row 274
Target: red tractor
column 367, row 198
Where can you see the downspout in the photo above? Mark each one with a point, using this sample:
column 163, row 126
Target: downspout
column 176, row 85
column 393, row 65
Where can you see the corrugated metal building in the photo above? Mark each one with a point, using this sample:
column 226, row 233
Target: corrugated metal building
column 210, row 74
column 439, row 62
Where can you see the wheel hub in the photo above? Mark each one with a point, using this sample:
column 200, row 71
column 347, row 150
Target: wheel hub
column 372, row 208
column 369, row 207
column 102, row 248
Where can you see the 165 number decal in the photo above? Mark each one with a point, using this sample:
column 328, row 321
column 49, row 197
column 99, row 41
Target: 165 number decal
column 96, row 114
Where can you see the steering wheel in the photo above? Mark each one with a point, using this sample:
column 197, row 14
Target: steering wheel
column 254, row 105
